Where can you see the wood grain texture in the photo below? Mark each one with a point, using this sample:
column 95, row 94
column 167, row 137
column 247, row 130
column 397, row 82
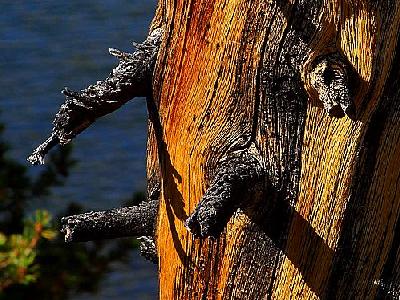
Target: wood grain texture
column 234, row 73
column 330, row 169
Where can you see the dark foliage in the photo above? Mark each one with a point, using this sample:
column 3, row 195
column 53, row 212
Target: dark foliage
column 60, row 269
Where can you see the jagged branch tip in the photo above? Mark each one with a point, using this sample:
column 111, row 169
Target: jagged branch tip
column 132, row 77
column 120, row 222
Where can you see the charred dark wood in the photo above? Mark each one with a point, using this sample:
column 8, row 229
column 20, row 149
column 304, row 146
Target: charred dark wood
column 235, row 177
column 37, row 157
column 121, row 222
column 330, row 78
column 131, row 78
column 148, row 248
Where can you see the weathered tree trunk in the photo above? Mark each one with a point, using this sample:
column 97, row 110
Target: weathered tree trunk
column 273, row 150
column 307, row 198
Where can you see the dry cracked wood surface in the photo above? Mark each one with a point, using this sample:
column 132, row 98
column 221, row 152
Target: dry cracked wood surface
column 254, row 77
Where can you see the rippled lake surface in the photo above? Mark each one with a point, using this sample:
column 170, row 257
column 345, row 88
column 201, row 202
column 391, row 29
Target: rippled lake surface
column 46, row 45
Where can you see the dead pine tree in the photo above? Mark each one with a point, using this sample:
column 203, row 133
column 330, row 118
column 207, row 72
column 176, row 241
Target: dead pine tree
column 273, row 156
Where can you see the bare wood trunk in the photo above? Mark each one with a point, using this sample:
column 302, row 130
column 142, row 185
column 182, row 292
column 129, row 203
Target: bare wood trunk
column 253, row 77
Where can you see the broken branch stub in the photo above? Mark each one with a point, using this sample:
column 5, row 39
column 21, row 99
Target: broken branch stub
column 135, row 221
column 121, row 222
column 148, row 248
column 131, row 78
column 236, row 177
column 330, row 77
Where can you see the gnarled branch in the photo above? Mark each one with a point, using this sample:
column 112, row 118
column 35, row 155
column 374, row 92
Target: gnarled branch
column 131, row 78
column 236, row 175
column 121, row 222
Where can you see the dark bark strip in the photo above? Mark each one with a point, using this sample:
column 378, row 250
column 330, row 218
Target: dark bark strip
column 281, row 129
column 121, row 222
column 131, row 78
column 284, row 99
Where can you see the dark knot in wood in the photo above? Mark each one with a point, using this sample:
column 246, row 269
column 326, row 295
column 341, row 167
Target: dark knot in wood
column 329, row 76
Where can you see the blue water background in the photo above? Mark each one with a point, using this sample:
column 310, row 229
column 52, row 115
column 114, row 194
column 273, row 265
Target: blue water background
column 46, row 45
